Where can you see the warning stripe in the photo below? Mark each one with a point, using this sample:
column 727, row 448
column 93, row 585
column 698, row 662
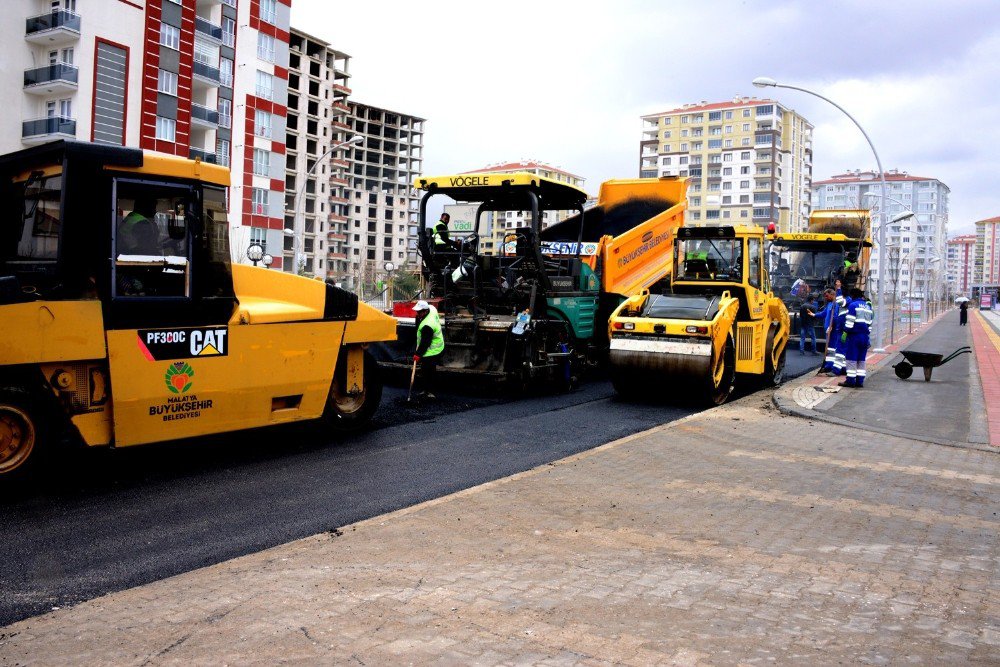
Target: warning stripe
column 986, row 343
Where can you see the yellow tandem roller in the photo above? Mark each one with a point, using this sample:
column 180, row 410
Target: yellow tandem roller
column 720, row 319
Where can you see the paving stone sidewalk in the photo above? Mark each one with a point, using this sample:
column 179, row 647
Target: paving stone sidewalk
column 737, row 536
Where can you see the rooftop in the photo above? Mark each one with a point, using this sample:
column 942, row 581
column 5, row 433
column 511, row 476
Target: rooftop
column 735, row 103
column 871, row 176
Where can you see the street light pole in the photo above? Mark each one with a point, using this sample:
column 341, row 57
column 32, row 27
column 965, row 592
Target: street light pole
column 765, row 82
column 296, row 232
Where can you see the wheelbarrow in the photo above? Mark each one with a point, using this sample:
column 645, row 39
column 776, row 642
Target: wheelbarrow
column 926, row 360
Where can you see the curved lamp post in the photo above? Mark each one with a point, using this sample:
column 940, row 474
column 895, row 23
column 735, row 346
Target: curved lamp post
column 357, row 138
column 767, row 82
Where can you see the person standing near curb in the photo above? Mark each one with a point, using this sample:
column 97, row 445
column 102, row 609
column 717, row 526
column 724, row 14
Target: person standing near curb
column 857, row 326
column 807, row 317
column 829, row 313
column 963, row 313
column 837, row 337
column 430, row 345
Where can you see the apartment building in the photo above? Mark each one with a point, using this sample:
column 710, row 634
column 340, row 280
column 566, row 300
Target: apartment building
column 315, row 161
column 986, row 265
column 382, row 204
column 497, row 224
column 749, row 160
column 961, row 263
column 917, row 246
column 195, row 78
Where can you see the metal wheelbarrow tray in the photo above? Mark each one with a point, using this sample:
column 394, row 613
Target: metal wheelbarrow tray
column 926, row 360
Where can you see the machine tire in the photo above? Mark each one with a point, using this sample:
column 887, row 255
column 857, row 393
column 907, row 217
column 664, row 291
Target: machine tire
column 774, row 370
column 345, row 413
column 903, row 370
column 22, row 434
column 719, row 384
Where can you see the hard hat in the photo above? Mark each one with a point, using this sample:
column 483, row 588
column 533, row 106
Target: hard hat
column 421, row 305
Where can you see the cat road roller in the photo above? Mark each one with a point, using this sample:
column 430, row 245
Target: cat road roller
column 719, row 321
column 123, row 322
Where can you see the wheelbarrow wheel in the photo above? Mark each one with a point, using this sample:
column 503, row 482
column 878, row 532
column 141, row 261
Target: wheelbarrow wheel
column 903, row 370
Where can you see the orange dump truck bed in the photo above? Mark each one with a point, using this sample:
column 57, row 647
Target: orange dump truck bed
column 628, row 237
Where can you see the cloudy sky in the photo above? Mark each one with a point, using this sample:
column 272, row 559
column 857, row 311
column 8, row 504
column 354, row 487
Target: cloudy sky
column 566, row 82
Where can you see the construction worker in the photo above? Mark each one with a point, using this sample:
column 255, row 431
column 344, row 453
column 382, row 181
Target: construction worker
column 441, row 239
column 430, row 345
column 836, row 337
column 829, row 313
column 857, row 326
column 137, row 233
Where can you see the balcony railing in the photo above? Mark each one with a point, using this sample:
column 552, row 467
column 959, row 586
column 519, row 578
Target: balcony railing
column 56, row 19
column 51, row 73
column 41, row 127
column 205, row 156
column 207, row 28
column 206, row 71
column 205, row 114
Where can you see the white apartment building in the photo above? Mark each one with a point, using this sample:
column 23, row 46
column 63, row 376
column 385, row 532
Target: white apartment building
column 916, row 248
column 986, row 267
column 748, row 160
column 315, row 160
column 382, row 209
column 203, row 79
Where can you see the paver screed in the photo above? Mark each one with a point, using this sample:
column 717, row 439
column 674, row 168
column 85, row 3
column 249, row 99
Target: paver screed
column 737, row 536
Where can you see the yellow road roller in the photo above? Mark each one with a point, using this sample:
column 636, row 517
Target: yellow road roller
column 720, row 319
column 123, row 320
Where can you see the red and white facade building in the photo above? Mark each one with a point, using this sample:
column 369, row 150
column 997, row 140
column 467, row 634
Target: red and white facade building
column 961, row 264
column 196, row 78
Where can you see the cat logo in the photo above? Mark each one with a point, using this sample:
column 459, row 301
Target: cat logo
column 161, row 345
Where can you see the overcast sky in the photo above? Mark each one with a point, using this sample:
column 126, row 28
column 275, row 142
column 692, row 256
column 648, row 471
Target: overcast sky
column 567, row 82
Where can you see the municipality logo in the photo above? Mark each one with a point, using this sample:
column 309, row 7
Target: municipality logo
column 178, row 377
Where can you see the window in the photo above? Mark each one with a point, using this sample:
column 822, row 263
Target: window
column 727, row 171
column 667, row 121
column 166, row 82
column 729, row 144
column 166, row 128
column 729, row 116
column 745, row 141
column 261, row 162
column 744, row 184
column 225, row 112
column 265, row 85
column 152, row 247
column 265, row 47
column 712, row 215
column 269, row 11
column 684, row 133
column 666, row 161
column 715, row 143
column 226, row 71
column 746, row 114
column 728, row 185
column 67, row 55
column 745, row 155
column 170, row 36
column 66, row 108
column 258, row 235
column 228, row 32
column 753, row 262
column 262, row 123
column 744, row 171
column 222, row 152
column 684, row 119
column 258, row 201
column 683, row 159
column 727, row 199
column 714, row 115
column 666, row 135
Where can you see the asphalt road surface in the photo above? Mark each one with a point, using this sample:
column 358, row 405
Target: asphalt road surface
column 105, row 521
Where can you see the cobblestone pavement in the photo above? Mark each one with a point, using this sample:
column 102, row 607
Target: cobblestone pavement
column 737, row 536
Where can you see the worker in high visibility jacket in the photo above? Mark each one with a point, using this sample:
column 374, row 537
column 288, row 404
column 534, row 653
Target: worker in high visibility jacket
column 441, row 237
column 857, row 327
column 430, row 345
column 839, row 356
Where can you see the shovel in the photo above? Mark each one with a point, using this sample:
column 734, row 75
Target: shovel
column 413, row 376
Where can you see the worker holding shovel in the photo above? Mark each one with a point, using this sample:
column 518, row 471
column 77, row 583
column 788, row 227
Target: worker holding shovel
column 430, row 345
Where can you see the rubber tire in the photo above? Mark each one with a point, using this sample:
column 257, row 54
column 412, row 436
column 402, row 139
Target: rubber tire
column 18, row 413
column 338, row 417
column 774, row 375
column 717, row 394
column 903, row 370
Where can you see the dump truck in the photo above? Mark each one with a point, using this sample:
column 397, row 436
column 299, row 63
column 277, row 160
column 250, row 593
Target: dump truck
column 719, row 321
column 835, row 247
column 562, row 282
column 123, row 320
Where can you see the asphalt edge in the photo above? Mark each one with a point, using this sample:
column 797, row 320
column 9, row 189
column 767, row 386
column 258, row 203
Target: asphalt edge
column 785, row 402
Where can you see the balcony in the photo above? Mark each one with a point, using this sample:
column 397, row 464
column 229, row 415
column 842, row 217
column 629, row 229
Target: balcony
column 206, row 73
column 207, row 29
column 204, row 156
column 204, row 116
column 41, row 130
column 58, row 78
column 56, row 28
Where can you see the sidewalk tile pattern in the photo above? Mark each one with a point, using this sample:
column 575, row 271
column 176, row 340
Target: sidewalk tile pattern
column 986, row 345
column 739, row 536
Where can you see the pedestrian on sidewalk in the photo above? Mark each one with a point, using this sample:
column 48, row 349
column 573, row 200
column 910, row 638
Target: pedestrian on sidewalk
column 963, row 313
column 807, row 324
column 430, row 345
column 857, row 326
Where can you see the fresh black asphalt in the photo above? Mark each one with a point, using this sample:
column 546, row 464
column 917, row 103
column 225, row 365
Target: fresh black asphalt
column 108, row 520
